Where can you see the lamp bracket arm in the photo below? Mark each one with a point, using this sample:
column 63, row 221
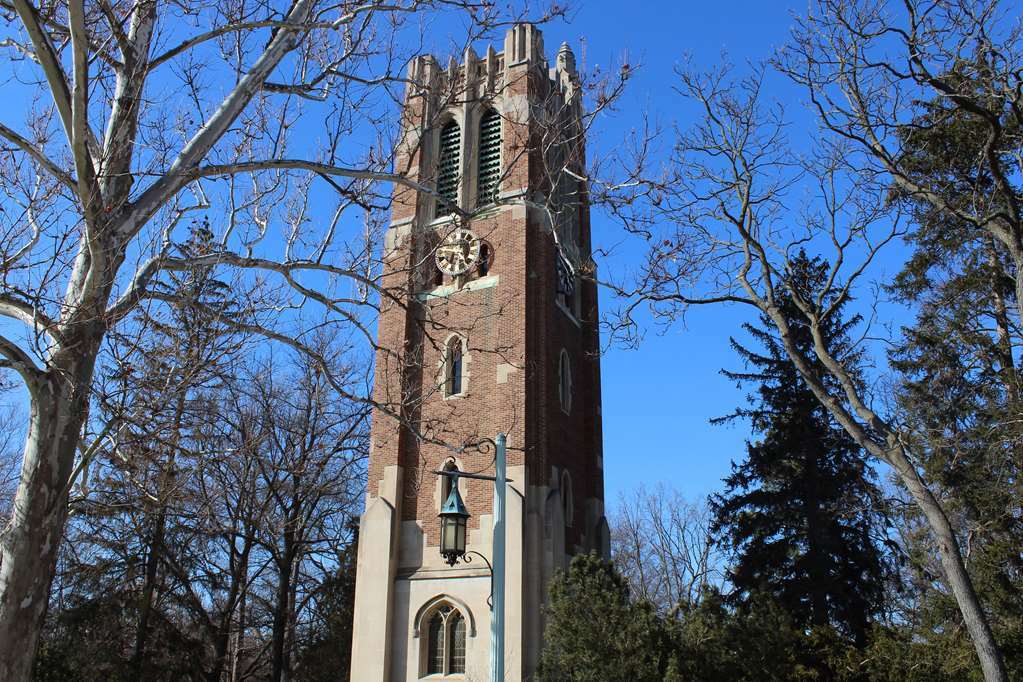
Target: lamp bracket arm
column 468, row 559
column 463, row 474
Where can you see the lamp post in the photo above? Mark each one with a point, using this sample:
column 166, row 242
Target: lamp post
column 453, row 522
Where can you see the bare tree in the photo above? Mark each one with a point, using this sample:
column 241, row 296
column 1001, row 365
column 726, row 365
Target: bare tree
column 311, row 472
column 663, row 545
column 867, row 65
column 214, row 535
column 140, row 114
column 10, row 423
column 727, row 232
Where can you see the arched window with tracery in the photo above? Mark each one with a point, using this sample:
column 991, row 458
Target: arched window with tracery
column 448, row 167
column 445, row 642
column 456, row 650
column 435, row 644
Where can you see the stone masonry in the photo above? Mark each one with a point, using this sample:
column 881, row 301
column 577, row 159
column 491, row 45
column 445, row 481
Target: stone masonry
column 514, row 328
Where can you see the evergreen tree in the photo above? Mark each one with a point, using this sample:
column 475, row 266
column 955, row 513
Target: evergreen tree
column 959, row 395
column 796, row 514
column 756, row 641
column 595, row 633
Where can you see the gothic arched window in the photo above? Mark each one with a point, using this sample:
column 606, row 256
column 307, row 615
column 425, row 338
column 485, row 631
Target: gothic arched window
column 488, row 172
column 454, row 366
column 435, row 644
column 448, row 166
column 565, row 382
column 438, row 277
column 456, row 650
column 445, row 642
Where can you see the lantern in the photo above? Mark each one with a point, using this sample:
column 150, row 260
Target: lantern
column 453, row 519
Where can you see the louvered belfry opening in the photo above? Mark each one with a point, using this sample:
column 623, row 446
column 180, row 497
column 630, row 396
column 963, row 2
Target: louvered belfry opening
column 490, row 158
column 448, row 166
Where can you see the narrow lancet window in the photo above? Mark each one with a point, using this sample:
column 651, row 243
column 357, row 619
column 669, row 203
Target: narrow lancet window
column 484, row 267
column 565, row 382
column 435, row 653
column 453, row 373
column 489, row 171
column 448, row 167
column 456, row 660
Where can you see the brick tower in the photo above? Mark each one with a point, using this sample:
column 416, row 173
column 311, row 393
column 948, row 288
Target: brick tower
column 488, row 324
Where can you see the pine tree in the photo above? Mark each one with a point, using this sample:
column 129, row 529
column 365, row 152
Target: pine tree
column 596, row 633
column 797, row 513
column 181, row 364
column 959, row 392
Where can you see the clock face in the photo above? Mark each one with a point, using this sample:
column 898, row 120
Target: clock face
column 458, row 252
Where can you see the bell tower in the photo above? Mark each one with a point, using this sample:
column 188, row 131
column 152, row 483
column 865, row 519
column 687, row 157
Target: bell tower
column 487, row 325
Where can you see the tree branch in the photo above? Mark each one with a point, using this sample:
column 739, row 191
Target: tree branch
column 41, row 158
column 88, row 191
column 23, row 312
column 22, row 363
column 196, row 149
column 48, row 59
column 322, row 169
column 138, row 289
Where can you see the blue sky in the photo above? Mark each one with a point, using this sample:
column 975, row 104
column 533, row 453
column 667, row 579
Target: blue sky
column 657, row 400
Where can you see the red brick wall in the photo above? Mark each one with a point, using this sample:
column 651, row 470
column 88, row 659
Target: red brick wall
column 516, row 322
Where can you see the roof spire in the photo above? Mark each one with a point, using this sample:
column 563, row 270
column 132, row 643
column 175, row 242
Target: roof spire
column 566, row 59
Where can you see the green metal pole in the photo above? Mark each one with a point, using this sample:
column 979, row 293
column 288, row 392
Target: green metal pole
column 497, row 616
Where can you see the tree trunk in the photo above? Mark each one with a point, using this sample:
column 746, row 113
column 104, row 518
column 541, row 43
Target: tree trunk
column 948, row 545
column 955, row 571
column 1006, row 363
column 31, row 541
column 146, row 601
column 239, row 585
column 282, row 610
column 817, row 559
column 1017, row 260
column 240, row 634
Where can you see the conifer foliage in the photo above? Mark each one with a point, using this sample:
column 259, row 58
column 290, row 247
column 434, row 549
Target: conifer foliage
column 596, row 632
column 796, row 514
column 959, row 393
